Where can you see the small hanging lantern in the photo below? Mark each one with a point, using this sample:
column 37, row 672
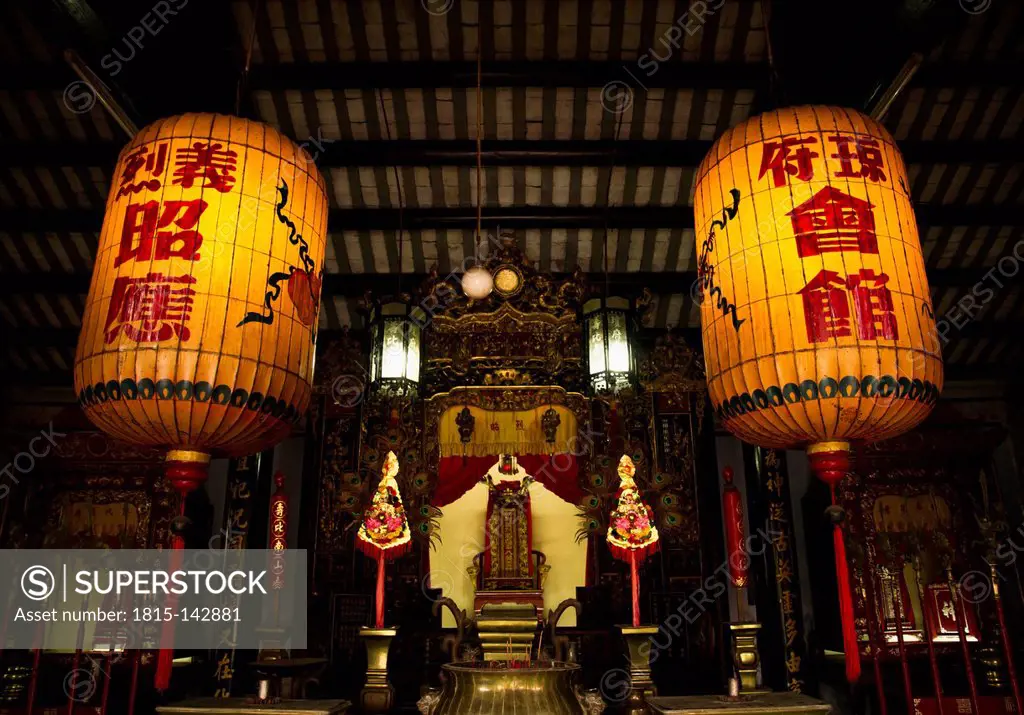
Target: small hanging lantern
column 608, row 322
column 395, row 347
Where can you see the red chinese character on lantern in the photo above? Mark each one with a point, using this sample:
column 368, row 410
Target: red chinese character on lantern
column 831, row 221
column 141, row 158
column 209, row 162
column 865, row 151
column 495, row 427
column 872, row 302
column 826, row 307
column 144, row 221
column 776, row 157
column 150, row 309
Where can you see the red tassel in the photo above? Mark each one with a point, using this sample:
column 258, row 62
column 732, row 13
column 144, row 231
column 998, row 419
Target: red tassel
column 185, row 477
column 165, row 656
column 831, row 463
column 850, row 644
column 375, row 552
column 380, row 592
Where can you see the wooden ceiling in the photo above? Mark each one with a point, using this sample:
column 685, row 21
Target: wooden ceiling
column 584, row 150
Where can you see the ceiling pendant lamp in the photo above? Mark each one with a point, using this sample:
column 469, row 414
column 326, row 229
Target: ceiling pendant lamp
column 395, row 347
column 608, row 322
column 477, row 282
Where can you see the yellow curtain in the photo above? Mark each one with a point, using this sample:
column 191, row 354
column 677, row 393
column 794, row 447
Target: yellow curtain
column 506, row 432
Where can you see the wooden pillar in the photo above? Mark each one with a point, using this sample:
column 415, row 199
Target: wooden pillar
column 776, row 584
column 246, row 509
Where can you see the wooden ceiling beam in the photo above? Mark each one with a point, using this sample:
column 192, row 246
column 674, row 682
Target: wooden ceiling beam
column 355, row 285
column 509, row 218
column 507, row 73
column 505, row 153
column 531, row 73
column 351, row 285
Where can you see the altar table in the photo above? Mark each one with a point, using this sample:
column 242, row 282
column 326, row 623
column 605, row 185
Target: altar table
column 241, row 706
column 767, row 704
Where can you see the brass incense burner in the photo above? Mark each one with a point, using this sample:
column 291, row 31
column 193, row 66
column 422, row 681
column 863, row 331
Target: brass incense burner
column 538, row 688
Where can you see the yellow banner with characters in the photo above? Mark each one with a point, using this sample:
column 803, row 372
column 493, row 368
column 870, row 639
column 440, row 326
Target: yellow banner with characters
column 495, row 432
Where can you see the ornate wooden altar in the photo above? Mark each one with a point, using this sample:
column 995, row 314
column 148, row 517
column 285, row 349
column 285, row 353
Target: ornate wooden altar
column 96, row 492
column 89, row 492
column 923, row 516
column 504, row 378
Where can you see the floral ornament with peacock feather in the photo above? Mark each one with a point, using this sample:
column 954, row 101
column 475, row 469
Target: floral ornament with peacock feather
column 631, row 529
column 384, row 532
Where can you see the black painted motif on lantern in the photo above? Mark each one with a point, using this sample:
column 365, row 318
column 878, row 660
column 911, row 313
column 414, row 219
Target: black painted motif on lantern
column 706, row 272
column 302, row 283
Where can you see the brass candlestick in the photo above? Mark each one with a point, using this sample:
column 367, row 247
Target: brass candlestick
column 378, row 695
column 641, row 686
column 745, row 656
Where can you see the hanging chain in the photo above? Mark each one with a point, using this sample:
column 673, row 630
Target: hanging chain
column 479, row 124
column 608, row 200
column 398, row 190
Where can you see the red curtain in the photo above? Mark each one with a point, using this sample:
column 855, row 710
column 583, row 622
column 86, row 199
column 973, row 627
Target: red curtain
column 457, row 475
column 558, row 472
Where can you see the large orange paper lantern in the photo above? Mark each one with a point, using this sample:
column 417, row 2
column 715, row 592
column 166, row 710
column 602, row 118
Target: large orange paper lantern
column 816, row 316
column 200, row 324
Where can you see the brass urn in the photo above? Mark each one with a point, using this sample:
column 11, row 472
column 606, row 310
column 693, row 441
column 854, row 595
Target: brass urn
column 538, row 688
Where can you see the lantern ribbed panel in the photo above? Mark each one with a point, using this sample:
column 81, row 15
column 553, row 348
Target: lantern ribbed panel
column 832, row 336
column 156, row 365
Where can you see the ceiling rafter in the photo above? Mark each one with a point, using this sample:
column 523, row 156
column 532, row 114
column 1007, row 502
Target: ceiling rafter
column 507, row 152
column 511, row 218
column 532, row 73
column 355, row 285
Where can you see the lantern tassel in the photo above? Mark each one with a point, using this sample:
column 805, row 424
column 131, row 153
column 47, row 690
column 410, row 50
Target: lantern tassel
column 165, row 656
column 850, row 645
column 831, row 463
column 186, row 470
